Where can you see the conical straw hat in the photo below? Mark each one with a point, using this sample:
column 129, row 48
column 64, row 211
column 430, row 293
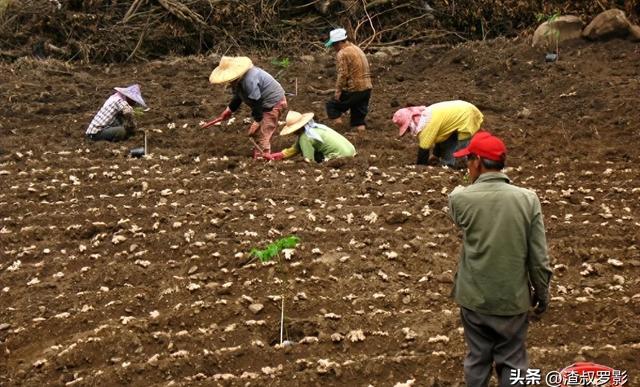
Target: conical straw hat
column 295, row 121
column 132, row 92
column 230, row 69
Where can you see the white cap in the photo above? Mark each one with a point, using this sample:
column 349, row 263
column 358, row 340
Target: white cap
column 337, row 35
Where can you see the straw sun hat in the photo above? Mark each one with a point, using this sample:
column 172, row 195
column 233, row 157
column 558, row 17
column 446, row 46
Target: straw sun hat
column 230, row 69
column 295, row 121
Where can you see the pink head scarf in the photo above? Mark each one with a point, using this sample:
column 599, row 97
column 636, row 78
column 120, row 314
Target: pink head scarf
column 403, row 118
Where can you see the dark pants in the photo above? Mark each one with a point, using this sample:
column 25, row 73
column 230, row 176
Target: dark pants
column 318, row 156
column 111, row 133
column 356, row 101
column 115, row 131
column 444, row 150
column 493, row 339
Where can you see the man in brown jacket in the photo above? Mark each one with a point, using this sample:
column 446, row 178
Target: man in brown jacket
column 353, row 86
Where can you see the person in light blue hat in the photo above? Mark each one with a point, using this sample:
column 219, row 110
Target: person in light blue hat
column 353, row 82
column 114, row 121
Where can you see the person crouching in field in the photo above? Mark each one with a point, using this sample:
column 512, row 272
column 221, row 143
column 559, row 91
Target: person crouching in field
column 258, row 89
column 443, row 127
column 315, row 141
column 114, row 121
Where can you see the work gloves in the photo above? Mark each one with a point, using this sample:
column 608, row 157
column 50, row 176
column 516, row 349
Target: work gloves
column 423, row 156
column 274, row 156
column 226, row 114
column 540, row 303
column 259, row 155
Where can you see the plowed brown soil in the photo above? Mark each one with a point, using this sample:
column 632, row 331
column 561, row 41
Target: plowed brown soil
column 120, row 271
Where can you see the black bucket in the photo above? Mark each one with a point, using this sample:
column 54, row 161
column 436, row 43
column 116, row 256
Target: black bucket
column 137, row 152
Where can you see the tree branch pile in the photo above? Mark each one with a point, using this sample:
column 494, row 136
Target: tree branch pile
column 121, row 30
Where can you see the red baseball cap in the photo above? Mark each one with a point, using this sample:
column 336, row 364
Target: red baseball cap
column 484, row 145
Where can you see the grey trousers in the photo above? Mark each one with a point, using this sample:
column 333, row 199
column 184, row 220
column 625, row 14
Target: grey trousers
column 493, row 339
column 116, row 130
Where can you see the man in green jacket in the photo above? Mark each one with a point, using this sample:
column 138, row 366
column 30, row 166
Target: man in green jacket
column 503, row 268
column 315, row 141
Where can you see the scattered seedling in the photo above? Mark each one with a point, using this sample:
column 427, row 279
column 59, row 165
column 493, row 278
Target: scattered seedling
column 138, row 111
column 554, row 32
column 284, row 62
column 273, row 249
column 266, row 255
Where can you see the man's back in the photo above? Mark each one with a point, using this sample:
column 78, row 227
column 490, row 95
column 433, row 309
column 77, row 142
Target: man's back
column 258, row 84
column 504, row 244
column 504, row 254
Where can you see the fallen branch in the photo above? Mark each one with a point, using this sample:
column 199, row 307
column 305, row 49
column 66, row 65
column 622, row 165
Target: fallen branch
column 137, row 47
column 60, row 51
column 182, row 12
column 133, row 9
column 376, row 3
column 367, row 42
column 303, row 5
column 313, row 89
column 405, row 22
column 416, row 38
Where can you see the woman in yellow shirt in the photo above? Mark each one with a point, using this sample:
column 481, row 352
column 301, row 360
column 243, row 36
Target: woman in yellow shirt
column 443, row 127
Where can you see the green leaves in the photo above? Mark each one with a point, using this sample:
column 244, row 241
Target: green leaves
column 288, row 242
column 548, row 18
column 138, row 111
column 554, row 32
column 273, row 249
column 284, row 62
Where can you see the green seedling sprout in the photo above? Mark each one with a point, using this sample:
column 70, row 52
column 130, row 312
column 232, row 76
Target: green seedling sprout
column 138, row 111
column 273, row 249
column 266, row 255
column 555, row 32
column 284, row 62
